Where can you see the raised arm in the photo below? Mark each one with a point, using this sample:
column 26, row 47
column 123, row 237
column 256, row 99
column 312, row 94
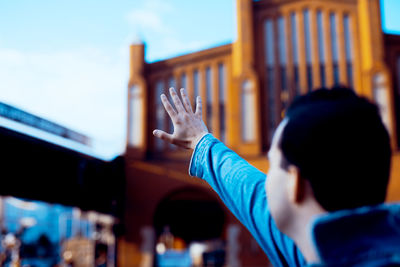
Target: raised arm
column 239, row 185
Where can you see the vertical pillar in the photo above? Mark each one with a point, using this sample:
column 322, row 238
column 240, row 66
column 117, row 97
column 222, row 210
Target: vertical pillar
column 137, row 102
column 375, row 74
column 243, row 70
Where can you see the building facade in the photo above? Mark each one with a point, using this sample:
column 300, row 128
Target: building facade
column 284, row 48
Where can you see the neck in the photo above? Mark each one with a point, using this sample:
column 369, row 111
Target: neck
column 300, row 232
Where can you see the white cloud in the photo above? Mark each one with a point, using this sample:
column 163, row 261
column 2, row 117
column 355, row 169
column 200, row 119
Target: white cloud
column 82, row 89
column 144, row 20
column 152, row 19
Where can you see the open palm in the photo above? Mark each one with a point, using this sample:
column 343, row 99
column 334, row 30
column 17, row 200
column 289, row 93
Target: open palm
column 189, row 127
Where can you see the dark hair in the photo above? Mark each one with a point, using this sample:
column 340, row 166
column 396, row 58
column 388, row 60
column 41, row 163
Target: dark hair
column 339, row 143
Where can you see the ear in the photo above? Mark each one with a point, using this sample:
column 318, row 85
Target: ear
column 296, row 185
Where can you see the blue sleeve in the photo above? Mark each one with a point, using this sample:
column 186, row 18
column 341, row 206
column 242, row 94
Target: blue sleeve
column 242, row 188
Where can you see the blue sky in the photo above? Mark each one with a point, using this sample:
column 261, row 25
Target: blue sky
column 67, row 60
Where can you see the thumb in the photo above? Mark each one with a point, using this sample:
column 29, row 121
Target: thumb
column 163, row 135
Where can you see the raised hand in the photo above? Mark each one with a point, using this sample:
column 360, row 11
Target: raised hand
column 189, row 127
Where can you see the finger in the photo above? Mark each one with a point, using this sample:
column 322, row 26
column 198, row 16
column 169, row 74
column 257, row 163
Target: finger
column 163, row 135
column 199, row 106
column 168, row 107
column 186, row 101
column 177, row 102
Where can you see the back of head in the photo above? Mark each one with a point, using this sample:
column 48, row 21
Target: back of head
column 339, row 143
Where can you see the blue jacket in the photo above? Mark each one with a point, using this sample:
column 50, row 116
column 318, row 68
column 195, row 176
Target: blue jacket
column 368, row 236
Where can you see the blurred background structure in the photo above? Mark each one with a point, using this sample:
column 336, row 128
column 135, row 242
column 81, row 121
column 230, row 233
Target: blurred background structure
column 65, row 204
column 284, row 48
column 75, row 209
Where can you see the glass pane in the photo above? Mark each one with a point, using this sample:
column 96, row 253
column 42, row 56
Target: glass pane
column 183, row 81
column 247, row 118
column 270, row 62
column 297, row 80
column 349, row 66
column 309, row 77
column 271, row 98
column 348, row 49
column 285, row 91
column 196, row 85
column 136, row 119
column 348, row 38
column 336, row 73
column 322, row 73
column 282, row 41
column 398, row 77
column 335, row 54
column 209, row 97
column 320, row 28
column 321, row 48
column 222, row 89
column 171, row 83
column 160, row 113
column 293, row 22
column 269, row 42
column 307, row 33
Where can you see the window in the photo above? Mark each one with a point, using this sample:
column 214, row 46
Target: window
column 221, row 90
column 183, row 81
column 209, row 93
column 270, row 66
column 307, row 33
column 397, row 100
column 335, row 53
column 283, row 61
column 160, row 113
column 171, row 83
column 136, row 117
column 348, row 49
column 196, row 85
column 293, row 26
column 321, row 48
column 247, row 112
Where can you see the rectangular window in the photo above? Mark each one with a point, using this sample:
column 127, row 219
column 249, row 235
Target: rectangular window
column 221, row 90
column 335, row 53
column 283, row 59
column 171, row 83
column 307, row 33
column 349, row 51
column 270, row 66
column 247, row 112
column 136, row 116
column 321, row 48
column 397, row 100
column 293, row 26
column 282, row 41
column 183, row 81
column 209, row 100
column 196, row 85
column 160, row 114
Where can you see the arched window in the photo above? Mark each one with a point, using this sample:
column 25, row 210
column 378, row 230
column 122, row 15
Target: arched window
column 248, row 112
column 136, row 117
